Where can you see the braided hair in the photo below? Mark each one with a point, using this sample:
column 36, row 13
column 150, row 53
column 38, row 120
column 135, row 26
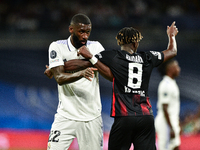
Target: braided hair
column 128, row 35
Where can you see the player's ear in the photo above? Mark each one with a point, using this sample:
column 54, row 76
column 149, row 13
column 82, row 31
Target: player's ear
column 71, row 29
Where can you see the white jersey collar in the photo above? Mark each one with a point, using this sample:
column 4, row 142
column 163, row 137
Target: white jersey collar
column 70, row 46
column 168, row 78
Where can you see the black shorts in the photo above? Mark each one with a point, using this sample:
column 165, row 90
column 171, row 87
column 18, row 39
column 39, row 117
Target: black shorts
column 138, row 130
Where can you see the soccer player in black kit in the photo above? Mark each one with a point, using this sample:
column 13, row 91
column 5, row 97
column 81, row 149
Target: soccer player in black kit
column 130, row 72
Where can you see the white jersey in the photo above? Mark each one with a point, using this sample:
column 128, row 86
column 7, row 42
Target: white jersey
column 168, row 93
column 79, row 100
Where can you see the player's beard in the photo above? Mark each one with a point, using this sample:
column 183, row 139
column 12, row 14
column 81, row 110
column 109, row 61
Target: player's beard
column 77, row 42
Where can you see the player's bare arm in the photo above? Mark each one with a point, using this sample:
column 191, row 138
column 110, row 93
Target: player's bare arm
column 65, row 78
column 77, row 64
column 102, row 68
column 166, row 114
column 71, row 65
column 171, row 50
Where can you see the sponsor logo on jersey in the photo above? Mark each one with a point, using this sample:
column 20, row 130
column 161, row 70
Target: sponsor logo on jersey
column 53, row 54
column 136, row 59
column 156, row 54
column 55, row 60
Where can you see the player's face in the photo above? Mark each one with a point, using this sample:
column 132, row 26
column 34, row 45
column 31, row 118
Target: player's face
column 80, row 34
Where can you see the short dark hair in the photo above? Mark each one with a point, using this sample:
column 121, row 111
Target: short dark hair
column 128, row 35
column 162, row 69
column 80, row 18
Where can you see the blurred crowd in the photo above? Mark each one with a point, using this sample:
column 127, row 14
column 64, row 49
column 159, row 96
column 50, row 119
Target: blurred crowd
column 54, row 15
column 191, row 122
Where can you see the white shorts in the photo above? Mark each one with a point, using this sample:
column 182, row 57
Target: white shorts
column 89, row 134
column 163, row 134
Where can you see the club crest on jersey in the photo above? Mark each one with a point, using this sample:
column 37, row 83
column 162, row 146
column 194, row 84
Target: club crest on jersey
column 53, row 54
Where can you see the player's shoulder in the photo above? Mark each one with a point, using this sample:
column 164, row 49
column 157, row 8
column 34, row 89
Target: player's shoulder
column 151, row 54
column 95, row 46
column 165, row 82
column 111, row 53
column 58, row 42
column 59, row 45
column 93, row 43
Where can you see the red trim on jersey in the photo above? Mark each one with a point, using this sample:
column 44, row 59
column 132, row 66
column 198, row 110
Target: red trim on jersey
column 148, row 103
column 124, row 111
column 145, row 107
column 113, row 99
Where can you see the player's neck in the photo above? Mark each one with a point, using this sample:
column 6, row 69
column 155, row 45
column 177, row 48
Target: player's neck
column 170, row 75
column 128, row 48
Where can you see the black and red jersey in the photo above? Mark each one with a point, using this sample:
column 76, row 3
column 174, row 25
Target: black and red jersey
column 131, row 80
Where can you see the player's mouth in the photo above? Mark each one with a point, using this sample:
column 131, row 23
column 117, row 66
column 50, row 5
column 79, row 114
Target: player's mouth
column 83, row 42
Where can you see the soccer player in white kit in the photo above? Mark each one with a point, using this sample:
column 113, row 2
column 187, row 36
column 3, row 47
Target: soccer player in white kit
column 168, row 105
column 79, row 109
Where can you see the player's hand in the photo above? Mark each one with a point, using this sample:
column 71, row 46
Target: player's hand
column 172, row 30
column 48, row 72
column 84, row 51
column 88, row 73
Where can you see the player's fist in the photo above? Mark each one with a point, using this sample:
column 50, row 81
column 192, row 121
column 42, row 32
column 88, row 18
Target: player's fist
column 48, row 72
column 172, row 30
column 84, row 51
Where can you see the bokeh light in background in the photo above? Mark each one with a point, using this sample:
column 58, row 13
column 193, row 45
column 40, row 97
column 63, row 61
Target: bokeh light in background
column 28, row 99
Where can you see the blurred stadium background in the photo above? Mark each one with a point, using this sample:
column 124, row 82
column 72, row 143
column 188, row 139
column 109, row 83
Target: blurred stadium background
column 28, row 99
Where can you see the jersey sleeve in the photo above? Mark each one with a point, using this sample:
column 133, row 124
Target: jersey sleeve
column 55, row 58
column 156, row 57
column 106, row 56
column 164, row 93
